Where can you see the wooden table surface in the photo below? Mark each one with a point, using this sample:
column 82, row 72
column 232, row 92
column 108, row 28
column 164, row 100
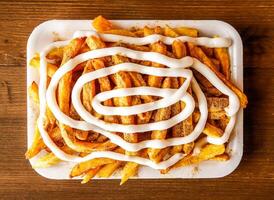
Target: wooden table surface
column 254, row 178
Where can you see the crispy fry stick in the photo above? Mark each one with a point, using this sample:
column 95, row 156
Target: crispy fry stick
column 216, row 63
column 51, row 68
column 89, row 91
column 187, row 31
column 108, row 169
column 101, row 24
column 83, row 167
column 208, row 51
column 129, row 170
column 55, row 134
column 156, row 81
column 81, row 135
column 161, row 114
column 56, row 54
column 170, row 32
column 94, row 42
column 212, row 131
column 120, row 32
column 33, row 92
column 46, row 161
column 64, row 89
column 216, row 115
column 90, row 174
column 222, row 55
column 206, row 153
column 179, row 49
column 198, row 53
column 223, row 157
column 217, row 104
column 70, row 139
column 50, row 120
column 36, row 146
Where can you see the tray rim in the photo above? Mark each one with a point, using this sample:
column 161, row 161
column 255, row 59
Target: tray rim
column 238, row 53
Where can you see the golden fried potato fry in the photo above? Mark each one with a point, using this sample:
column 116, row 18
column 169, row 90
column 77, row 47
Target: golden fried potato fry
column 83, row 167
column 212, row 131
column 46, row 161
column 33, row 92
column 90, row 174
column 123, row 32
column 161, row 114
column 50, row 120
column 148, row 31
column 156, row 81
column 129, row 170
column 36, row 146
column 101, row 24
column 223, row 157
column 64, row 89
column 198, row 53
column 222, row 55
column 179, row 49
column 70, row 139
column 216, row 63
column 208, row 51
column 170, row 32
column 137, row 47
column 216, row 104
column 104, row 83
column 206, row 153
column 94, row 42
column 56, row 54
column 216, row 115
column 192, row 32
column 89, row 91
column 55, row 134
column 35, row 62
column 81, row 135
column 108, row 169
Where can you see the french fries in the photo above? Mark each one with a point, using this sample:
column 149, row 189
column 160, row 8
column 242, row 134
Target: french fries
column 33, row 92
column 36, row 146
column 199, row 54
column 161, row 114
column 90, row 174
column 212, row 131
column 83, row 167
column 46, row 161
column 208, row 152
column 81, row 142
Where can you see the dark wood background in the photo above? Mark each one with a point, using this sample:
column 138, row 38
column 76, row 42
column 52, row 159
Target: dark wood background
column 254, row 178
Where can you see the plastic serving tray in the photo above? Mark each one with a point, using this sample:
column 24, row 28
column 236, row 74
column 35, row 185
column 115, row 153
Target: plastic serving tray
column 48, row 31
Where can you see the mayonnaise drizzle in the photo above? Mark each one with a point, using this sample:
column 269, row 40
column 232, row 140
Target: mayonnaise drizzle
column 170, row 96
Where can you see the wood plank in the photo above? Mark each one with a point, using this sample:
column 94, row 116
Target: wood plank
column 254, row 178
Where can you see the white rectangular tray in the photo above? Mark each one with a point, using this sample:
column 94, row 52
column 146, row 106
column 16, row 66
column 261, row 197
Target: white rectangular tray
column 49, row 31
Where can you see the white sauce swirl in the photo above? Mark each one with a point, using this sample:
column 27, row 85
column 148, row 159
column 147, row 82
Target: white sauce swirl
column 170, row 96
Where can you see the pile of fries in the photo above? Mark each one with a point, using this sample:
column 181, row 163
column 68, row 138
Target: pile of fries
column 79, row 142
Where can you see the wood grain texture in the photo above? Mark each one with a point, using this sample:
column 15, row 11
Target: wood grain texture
column 254, row 178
